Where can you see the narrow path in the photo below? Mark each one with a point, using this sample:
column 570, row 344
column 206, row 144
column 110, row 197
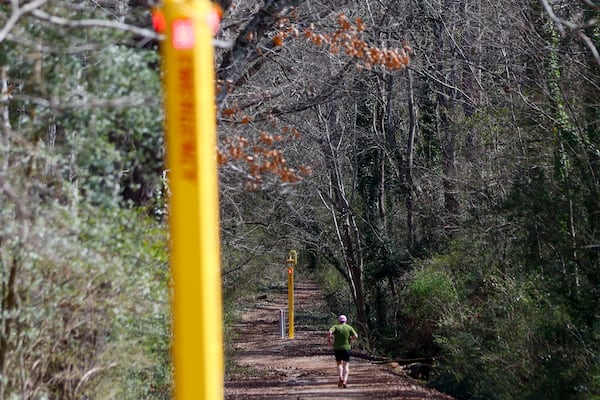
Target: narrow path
column 304, row 368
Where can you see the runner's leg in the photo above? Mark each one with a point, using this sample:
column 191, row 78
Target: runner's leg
column 346, row 371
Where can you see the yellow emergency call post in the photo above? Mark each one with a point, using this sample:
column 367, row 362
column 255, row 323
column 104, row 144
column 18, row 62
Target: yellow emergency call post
column 194, row 210
column 292, row 260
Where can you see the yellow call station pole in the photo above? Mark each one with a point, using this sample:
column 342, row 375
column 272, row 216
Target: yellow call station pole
column 292, row 260
column 194, row 210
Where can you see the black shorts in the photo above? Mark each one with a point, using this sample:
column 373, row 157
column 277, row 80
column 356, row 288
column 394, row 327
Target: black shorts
column 342, row 355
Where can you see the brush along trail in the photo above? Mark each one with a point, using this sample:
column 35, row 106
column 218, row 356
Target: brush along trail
column 269, row 367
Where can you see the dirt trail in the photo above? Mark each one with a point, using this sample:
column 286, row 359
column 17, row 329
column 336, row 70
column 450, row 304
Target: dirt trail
column 303, row 367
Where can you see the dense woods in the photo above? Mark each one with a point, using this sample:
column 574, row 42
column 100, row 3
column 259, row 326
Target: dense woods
column 435, row 163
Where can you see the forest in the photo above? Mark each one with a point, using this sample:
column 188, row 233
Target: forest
column 436, row 164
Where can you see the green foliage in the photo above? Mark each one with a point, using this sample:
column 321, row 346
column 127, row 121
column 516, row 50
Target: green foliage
column 96, row 103
column 84, row 292
column 509, row 310
column 498, row 332
column 429, row 293
column 141, row 331
column 486, row 343
column 92, row 311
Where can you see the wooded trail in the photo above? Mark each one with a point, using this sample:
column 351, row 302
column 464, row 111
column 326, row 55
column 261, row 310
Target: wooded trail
column 269, row 367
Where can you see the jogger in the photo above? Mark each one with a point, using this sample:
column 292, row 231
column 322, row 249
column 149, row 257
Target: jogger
column 342, row 334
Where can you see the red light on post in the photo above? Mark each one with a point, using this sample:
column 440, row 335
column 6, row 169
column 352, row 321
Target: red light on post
column 290, row 270
column 183, row 34
column 158, row 20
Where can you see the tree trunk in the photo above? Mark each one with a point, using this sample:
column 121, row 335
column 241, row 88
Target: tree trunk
column 412, row 130
column 446, row 70
column 345, row 223
column 403, row 167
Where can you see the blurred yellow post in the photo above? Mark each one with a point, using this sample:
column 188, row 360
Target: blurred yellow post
column 292, row 260
column 194, row 210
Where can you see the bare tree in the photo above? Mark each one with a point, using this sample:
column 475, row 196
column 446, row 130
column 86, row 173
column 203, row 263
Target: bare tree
column 577, row 23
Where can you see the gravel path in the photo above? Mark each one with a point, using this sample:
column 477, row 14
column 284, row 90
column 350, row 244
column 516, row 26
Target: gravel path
column 270, row 367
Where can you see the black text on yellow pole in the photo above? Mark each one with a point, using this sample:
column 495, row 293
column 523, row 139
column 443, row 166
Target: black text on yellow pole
column 292, row 260
column 193, row 212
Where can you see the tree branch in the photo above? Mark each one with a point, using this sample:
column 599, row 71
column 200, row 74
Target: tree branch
column 17, row 13
column 557, row 21
column 590, row 44
column 578, row 28
column 87, row 103
column 95, row 23
column 244, row 51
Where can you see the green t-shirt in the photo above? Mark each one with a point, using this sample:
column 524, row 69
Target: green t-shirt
column 341, row 336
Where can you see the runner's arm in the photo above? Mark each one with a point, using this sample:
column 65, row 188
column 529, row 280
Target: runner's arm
column 329, row 335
